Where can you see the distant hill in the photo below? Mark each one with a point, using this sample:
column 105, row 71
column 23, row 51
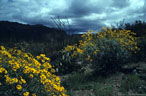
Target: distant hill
column 16, row 31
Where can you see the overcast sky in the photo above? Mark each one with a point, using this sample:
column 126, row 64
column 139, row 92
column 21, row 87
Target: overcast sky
column 83, row 15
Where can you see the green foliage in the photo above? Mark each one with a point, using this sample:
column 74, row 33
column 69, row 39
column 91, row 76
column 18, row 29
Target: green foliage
column 82, row 82
column 71, row 93
column 132, row 83
column 111, row 57
column 63, row 61
column 65, row 64
column 139, row 27
column 141, row 54
column 102, row 90
column 75, row 81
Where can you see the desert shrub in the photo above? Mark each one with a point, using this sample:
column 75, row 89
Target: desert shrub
column 106, row 50
column 111, row 57
column 22, row 74
column 116, row 48
column 141, row 54
column 73, row 57
column 65, row 64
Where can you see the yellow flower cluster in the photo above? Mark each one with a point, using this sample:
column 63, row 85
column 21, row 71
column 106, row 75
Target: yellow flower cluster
column 86, row 44
column 21, row 70
column 3, row 70
column 126, row 38
column 10, row 80
column 69, row 48
column 88, row 47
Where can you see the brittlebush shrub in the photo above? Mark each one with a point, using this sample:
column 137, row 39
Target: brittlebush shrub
column 116, row 48
column 23, row 75
column 76, row 57
column 106, row 50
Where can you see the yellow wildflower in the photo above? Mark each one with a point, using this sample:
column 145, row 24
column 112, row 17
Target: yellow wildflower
column 68, row 48
column 15, row 80
column 79, row 51
column 42, row 55
column 26, row 94
column 22, row 80
column 38, row 57
column 43, row 76
column 2, row 48
column 34, row 94
column 31, row 76
column 19, row 87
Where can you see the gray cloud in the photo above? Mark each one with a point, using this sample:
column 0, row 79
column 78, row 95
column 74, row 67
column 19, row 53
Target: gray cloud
column 144, row 11
column 120, row 3
column 82, row 14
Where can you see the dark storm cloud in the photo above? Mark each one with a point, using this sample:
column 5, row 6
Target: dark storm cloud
column 80, row 8
column 23, row 11
column 86, row 25
column 82, row 14
column 120, row 3
column 83, row 8
column 77, row 10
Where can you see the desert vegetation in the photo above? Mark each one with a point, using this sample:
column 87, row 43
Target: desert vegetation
column 110, row 62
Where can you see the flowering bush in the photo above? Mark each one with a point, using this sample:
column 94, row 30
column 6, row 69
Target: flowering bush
column 75, row 57
column 116, row 48
column 23, row 75
column 107, row 49
column 125, row 38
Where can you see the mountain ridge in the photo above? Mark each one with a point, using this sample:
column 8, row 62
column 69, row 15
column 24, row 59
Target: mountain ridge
column 18, row 31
